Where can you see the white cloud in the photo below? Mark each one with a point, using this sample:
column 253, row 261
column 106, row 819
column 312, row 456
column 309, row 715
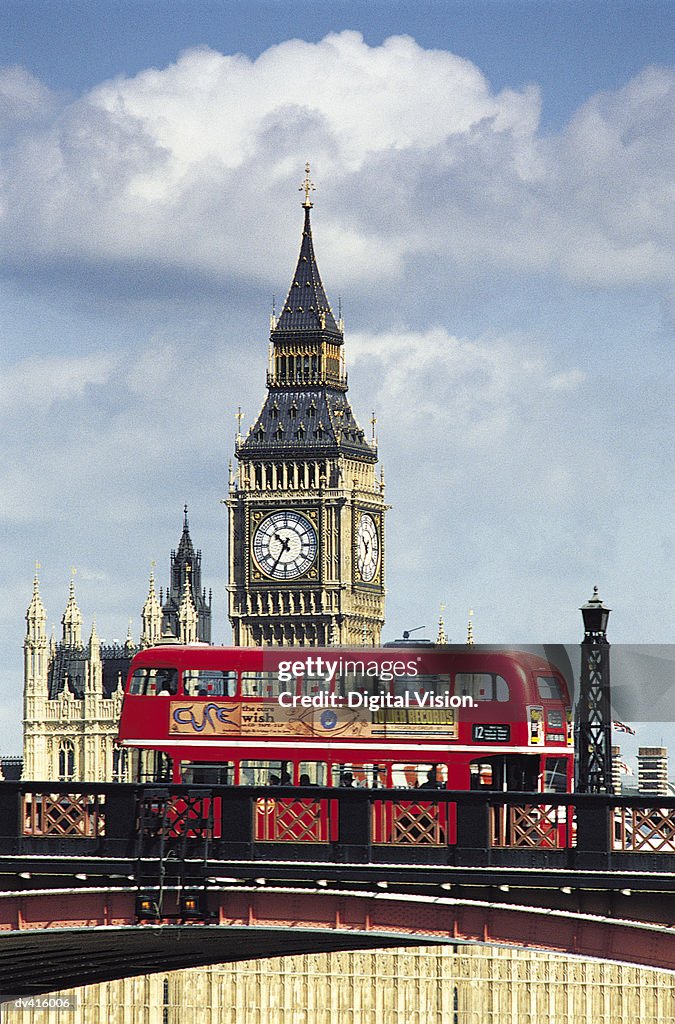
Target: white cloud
column 475, row 394
column 33, row 385
column 193, row 167
column 23, row 97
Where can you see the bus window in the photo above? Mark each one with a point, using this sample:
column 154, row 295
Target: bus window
column 482, row 686
column 421, row 684
column 482, row 775
column 205, row 774
column 311, row 685
column 209, row 683
column 266, row 773
column 353, row 682
column 359, row 776
column 549, row 688
column 555, row 775
column 419, row 776
column 261, row 684
column 150, row 681
column 154, row 766
column 312, row 773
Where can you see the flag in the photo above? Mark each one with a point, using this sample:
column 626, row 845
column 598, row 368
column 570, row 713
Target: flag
column 620, row 727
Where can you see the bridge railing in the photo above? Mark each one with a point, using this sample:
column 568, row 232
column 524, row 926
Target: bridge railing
column 338, row 825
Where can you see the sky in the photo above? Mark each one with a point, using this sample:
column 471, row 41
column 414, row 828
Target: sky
column 493, row 211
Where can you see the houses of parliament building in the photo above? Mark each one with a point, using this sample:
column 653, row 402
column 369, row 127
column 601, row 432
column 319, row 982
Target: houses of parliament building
column 306, row 526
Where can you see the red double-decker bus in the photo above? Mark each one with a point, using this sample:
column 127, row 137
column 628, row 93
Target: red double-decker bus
column 394, row 717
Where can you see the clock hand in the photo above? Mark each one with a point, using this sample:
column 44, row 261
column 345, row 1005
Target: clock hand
column 285, row 545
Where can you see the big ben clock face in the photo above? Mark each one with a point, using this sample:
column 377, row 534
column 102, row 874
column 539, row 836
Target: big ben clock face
column 285, row 545
column 367, row 548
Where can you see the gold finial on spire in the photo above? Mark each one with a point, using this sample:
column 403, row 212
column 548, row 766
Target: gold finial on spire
column 373, row 421
column 307, row 187
column 469, row 629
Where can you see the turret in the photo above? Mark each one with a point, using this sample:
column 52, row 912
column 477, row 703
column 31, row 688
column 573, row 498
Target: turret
column 36, row 647
column 35, row 689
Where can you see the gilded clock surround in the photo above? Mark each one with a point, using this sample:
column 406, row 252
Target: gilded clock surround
column 305, row 454
column 367, row 558
column 307, row 569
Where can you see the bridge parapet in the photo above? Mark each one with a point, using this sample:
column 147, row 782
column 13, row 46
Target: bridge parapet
column 338, row 825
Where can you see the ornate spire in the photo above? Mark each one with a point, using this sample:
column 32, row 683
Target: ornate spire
column 94, row 669
column 187, row 614
column 36, row 616
column 186, row 570
column 94, row 642
column 307, row 187
column 72, row 618
column 306, row 307
column 469, row 629
column 185, row 546
column 151, row 615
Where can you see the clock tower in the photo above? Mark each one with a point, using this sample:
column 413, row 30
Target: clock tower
column 306, row 506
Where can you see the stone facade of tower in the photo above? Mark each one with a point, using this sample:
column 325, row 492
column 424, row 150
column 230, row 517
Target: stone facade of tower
column 73, row 690
column 306, row 507
column 72, row 700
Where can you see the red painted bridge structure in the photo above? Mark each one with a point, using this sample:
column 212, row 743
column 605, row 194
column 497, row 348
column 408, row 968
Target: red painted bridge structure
column 113, row 880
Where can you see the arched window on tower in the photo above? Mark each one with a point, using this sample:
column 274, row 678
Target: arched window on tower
column 66, row 760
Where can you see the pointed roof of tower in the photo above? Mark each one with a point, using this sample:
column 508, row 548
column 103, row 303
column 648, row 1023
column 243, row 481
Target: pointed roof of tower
column 36, row 609
column 72, row 616
column 306, row 307
column 185, row 546
column 152, row 605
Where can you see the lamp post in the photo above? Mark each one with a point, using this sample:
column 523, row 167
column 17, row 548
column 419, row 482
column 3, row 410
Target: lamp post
column 593, row 732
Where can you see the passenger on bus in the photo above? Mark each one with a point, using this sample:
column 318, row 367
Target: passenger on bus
column 347, row 780
column 167, row 684
column 433, row 781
